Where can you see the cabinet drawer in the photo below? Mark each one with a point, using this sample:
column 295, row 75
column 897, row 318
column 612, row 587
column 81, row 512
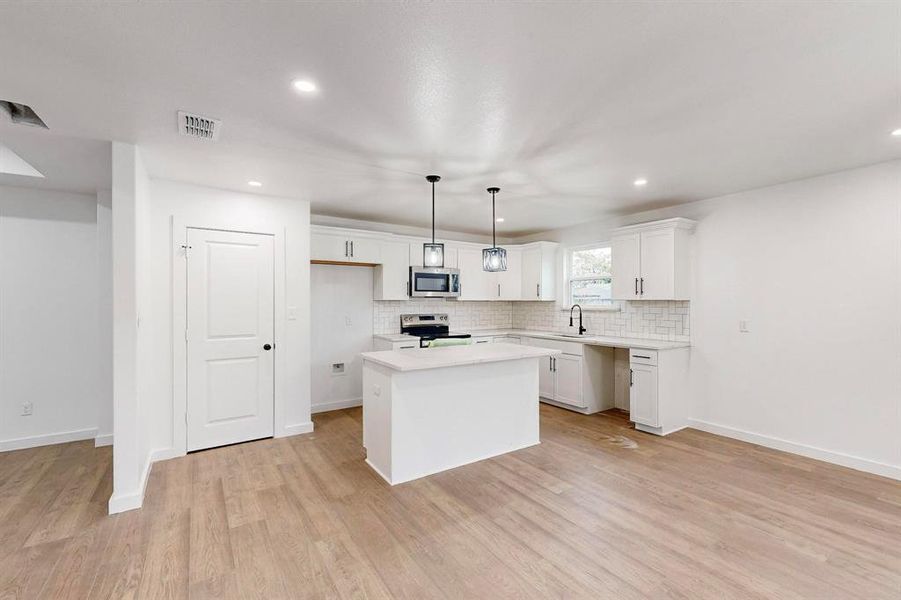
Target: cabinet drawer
column 482, row 340
column 406, row 345
column 642, row 357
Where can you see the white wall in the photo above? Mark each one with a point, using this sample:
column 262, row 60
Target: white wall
column 105, row 317
column 49, row 331
column 131, row 330
column 815, row 265
column 195, row 206
column 341, row 306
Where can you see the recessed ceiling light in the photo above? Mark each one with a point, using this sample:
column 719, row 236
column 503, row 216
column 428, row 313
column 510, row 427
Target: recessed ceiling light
column 897, row 132
column 640, row 182
column 305, row 85
column 500, row 219
column 254, row 184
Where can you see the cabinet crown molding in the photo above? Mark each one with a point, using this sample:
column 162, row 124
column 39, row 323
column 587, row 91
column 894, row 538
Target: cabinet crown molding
column 674, row 223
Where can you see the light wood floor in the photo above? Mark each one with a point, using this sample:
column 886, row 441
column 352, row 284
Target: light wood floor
column 596, row 511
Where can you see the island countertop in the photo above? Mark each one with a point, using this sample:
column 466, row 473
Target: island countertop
column 454, row 356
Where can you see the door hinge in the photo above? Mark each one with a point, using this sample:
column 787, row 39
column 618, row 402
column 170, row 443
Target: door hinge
column 186, row 334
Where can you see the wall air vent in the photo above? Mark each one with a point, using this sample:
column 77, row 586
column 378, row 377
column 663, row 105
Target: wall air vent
column 197, row 126
column 22, row 114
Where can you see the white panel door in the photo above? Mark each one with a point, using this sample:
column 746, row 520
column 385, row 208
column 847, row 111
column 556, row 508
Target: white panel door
column 230, row 326
column 569, row 380
column 625, row 254
column 643, row 395
column 658, row 265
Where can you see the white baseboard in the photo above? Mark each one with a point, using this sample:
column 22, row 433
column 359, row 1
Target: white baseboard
column 845, row 460
column 165, row 454
column 296, row 429
column 130, row 501
column 103, row 439
column 336, row 405
column 47, row 439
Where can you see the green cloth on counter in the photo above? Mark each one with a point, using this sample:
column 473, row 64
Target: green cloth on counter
column 441, row 342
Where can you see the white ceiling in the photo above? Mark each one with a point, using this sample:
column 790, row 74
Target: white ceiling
column 562, row 105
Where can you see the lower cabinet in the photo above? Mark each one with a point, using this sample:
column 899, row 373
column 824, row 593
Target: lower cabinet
column 659, row 389
column 643, row 394
column 580, row 379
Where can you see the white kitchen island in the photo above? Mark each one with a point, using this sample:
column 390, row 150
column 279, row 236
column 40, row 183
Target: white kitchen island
column 432, row 409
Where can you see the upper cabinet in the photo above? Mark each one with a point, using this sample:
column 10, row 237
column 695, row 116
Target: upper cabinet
column 651, row 261
column 530, row 270
column 475, row 284
column 392, row 274
column 539, row 268
column 346, row 246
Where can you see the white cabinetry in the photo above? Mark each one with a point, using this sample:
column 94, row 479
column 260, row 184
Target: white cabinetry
column 475, row 284
column 392, row 276
column 643, row 394
column 383, row 344
column 530, row 273
column 343, row 246
column 538, row 271
column 651, row 261
column 658, row 389
column 509, row 282
column 580, row 379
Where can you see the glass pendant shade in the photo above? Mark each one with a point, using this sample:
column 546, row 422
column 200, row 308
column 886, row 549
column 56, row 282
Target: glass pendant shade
column 494, row 260
column 432, row 255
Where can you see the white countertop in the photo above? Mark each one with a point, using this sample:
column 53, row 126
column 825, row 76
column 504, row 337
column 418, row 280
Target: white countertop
column 594, row 340
column 453, row 356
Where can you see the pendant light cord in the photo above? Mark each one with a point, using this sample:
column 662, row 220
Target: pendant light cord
column 493, row 223
column 433, row 212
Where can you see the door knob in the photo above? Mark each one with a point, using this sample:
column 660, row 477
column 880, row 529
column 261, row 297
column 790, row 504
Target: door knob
column 267, row 346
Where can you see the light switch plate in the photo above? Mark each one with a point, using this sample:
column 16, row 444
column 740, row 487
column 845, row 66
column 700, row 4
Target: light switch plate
column 744, row 326
column 292, row 313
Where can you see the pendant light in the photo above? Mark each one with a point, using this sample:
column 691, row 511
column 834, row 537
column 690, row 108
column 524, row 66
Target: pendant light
column 433, row 254
column 494, row 259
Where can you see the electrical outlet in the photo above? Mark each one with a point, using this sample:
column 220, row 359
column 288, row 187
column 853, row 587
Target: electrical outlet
column 744, row 326
column 27, row 409
column 348, row 321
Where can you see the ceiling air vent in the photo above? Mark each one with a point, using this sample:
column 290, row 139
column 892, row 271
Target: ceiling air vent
column 22, row 114
column 197, row 126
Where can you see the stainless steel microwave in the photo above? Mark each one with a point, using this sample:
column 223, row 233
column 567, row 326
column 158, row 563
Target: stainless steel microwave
column 433, row 282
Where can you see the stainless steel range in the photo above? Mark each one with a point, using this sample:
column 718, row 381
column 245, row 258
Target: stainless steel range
column 428, row 328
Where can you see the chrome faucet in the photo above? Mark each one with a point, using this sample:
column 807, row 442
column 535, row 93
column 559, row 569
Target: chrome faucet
column 581, row 329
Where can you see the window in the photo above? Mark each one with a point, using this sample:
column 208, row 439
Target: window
column 590, row 279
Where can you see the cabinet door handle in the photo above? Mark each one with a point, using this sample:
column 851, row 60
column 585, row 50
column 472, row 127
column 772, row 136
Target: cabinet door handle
column 498, row 290
column 550, row 363
column 630, row 377
column 636, row 286
column 346, row 246
column 351, row 249
column 538, row 290
column 640, row 356
column 642, row 286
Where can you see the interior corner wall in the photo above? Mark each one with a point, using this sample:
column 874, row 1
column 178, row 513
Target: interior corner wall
column 49, row 353
column 815, row 267
column 130, row 252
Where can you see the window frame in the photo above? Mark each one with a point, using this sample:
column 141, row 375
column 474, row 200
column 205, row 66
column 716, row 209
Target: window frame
column 568, row 278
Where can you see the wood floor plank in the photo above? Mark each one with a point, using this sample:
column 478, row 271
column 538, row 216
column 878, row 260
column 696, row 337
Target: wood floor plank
column 597, row 510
